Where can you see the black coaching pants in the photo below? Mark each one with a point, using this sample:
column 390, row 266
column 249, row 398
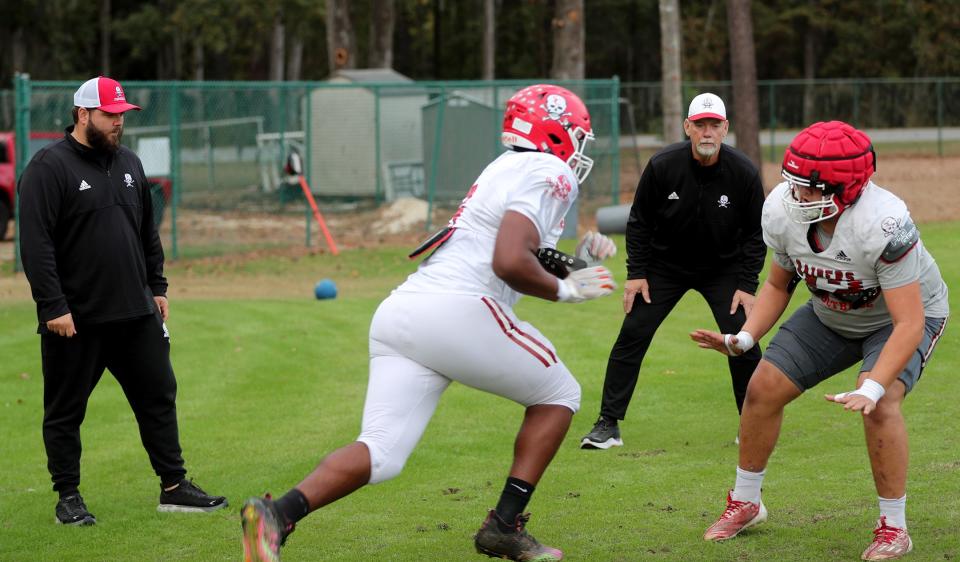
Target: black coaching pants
column 137, row 353
column 639, row 326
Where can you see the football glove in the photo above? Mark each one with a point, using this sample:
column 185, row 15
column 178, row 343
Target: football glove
column 585, row 284
column 595, row 247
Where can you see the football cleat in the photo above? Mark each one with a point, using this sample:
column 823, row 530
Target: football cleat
column 264, row 530
column 737, row 517
column 888, row 542
column 514, row 544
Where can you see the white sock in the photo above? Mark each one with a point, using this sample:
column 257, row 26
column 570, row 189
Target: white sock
column 895, row 511
column 747, row 488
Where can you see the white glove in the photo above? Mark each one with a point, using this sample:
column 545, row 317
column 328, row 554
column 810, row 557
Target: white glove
column 585, row 284
column 595, row 247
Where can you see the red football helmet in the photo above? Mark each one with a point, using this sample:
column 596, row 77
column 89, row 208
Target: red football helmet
column 549, row 119
column 833, row 157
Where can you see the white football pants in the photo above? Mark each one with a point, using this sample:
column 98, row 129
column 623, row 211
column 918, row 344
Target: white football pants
column 419, row 343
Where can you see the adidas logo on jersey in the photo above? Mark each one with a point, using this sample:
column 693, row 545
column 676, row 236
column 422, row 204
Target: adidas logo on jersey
column 841, row 256
column 673, row 196
column 84, row 185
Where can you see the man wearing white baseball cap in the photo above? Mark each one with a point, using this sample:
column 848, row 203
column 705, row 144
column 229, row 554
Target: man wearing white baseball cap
column 94, row 261
column 694, row 224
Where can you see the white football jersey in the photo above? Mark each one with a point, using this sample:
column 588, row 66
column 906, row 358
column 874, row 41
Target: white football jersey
column 540, row 186
column 874, row 246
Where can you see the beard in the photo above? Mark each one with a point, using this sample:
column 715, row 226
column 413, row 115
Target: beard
column 707, row 151
column 101, row 141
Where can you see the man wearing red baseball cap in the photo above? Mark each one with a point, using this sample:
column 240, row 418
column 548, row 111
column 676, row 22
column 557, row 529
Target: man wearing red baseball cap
column 94, row 261
column 104, row 94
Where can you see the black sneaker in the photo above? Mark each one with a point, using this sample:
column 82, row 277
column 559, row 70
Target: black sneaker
column 72, row 511
column 189, row 498
column 514, row 544
column 264, row 530
column 605, row 434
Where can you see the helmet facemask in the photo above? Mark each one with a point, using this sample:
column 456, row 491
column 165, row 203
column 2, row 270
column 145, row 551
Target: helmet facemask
column 807, row 212
column 578, row 161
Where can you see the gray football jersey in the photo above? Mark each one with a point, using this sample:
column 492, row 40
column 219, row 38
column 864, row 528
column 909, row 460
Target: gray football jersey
column 874, row 246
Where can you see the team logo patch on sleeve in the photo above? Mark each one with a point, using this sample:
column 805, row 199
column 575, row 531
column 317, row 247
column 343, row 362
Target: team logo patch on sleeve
column 903, row 237
column 560, row 187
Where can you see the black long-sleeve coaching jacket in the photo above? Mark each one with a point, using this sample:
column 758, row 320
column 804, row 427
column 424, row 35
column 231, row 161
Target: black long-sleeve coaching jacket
column 689, row 219
column 88, row 242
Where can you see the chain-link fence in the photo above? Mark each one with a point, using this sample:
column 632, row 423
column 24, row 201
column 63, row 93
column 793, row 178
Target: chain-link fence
column 216, row 151
column 929, row 107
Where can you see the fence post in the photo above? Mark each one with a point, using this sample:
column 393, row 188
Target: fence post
column 308, row 158
column 175, row 163
column 940, row 116
column 379, row 197
column 615, row 139
column 434, row 163
column 773, row 122
column 856, row 104
column 21, row 104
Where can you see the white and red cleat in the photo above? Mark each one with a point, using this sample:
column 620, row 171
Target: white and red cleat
column 737, row 517
column 888, row 542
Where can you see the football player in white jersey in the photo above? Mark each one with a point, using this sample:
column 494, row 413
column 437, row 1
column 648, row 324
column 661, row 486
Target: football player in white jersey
column 878, row 299
column 453, row 320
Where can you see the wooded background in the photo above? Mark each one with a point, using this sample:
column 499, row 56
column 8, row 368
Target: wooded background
column 664, row 41
column 448, row 39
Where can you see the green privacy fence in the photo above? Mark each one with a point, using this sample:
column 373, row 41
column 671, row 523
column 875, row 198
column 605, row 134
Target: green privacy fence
column 216, row 150
column 928, row 106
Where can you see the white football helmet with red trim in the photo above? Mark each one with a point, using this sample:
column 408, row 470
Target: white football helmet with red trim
column 549, row 119
column 833, row 157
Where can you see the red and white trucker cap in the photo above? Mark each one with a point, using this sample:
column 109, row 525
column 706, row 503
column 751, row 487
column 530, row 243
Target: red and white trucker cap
column 707, row 106
column 104, row 94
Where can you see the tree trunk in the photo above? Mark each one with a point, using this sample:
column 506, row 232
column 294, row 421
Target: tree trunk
column 743, row 72
column 568, row 41
column 277, row 47
column 341, row 41
column 489, row 36
column 670, row 45
column 809, row 67
column 382, row 21
column 295, row 63
column 198, row 60
column 105, row 37
column 19, row 48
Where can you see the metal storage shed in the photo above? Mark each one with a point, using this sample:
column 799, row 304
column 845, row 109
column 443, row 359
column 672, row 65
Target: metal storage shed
column 345, row 124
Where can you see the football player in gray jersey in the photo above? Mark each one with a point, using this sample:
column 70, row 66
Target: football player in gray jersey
column 877, row 299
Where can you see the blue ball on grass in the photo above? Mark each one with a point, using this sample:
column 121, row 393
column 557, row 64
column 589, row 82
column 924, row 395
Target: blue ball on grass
column 325, row 289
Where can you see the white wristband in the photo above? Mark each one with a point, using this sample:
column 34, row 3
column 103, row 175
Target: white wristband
column 744, row 342
column 871, row 389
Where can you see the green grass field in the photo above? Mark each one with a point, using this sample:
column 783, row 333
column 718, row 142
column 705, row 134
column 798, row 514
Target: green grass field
column 268, row 386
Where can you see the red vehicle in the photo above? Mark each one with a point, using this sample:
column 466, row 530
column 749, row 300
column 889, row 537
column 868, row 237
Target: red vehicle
column 8, row 177
column 8, row 171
